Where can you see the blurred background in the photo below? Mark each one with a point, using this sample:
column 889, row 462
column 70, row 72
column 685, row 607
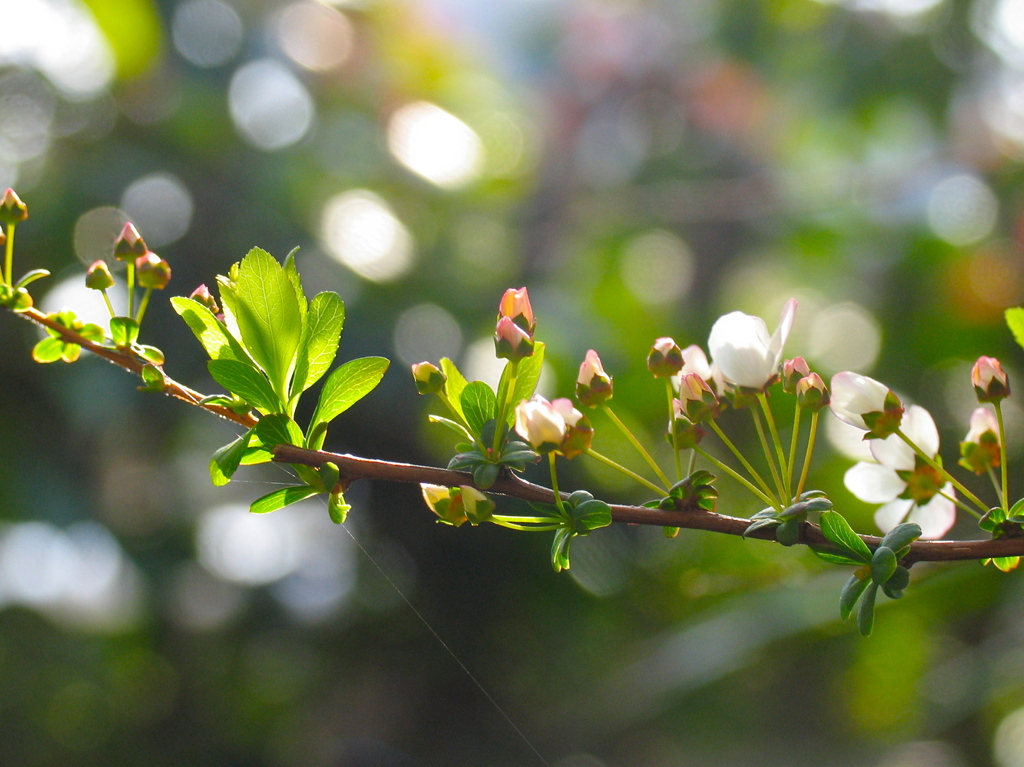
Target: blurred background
column 642, row 167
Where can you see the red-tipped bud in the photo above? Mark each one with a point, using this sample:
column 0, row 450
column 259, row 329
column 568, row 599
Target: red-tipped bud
column 203, row 296
column 511, row 342
column 428, row 377
column 515, row 304
column 593, row 385
column 98, row 276
column 990, row 380
column 696, row 399
column 792, row 371
column 129, row 245
column 665, row 358
column 12, row 209
column 152, row 271
column 812, row 393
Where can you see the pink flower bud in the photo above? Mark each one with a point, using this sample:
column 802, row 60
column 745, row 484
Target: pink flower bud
column 129, row 244
column 152, row 271
column 515, row 304
column 811, row 393
column 98, row 276
column 979, row 450
column 511, row 342
column 792, row 371
column 696, row 399
column 540, row 424
column 593, row 385
column 428, row 377
column 665, row 358
column 990, row 380
column 12, row 209
column 203, row 296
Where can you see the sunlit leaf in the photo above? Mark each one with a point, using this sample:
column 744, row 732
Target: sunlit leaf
column 281, row 498
column 247, row 382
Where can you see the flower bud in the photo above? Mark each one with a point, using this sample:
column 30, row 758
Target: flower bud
column 98, row 276
column 152, row 271
column 203, row 296
column 682, row 432
column 696, row 399
column 792, row 371
column 553, row 426
column 665, row 358
column 990, row 381
column 12, row 209
column 511, row 342
column 865, row 403
column 593, row 385
column 811, row 393
column 979, row 451
column 129, row 245
column 515, row 304
column 445, row 502
column 428, row 377
column 477, row 506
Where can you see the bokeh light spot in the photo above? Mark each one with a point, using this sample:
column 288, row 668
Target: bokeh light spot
column 962, row 210
column 270, row 107
column 88, row 306
column 845, row 336
column 314, row 36
column 426, row 332
column 435, row 144
column 248, row 549
column 657, row 267
column 1008, row 748
column 360, row 230
column 207, row 33
column 160, row 207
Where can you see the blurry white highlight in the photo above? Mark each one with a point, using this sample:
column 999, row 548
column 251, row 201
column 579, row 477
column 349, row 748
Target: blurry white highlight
column 160, row 207
column 844, row 336
column 270, row 107
column 207, row 33
column 435, row 144
column 360, row 230
column 249, row 549
column 71, row 293
column 426, row 332
column 962, row 210
column 1008, row 748
column 314, row 36
column 657, row 267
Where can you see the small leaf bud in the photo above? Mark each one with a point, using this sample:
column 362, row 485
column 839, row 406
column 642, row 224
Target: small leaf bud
column 665, row 358
column 152, row 271
column 593, row 385
column 990, row 380
column 812, row 393
column 203, row 296
column 12, row 209
column 129, row 245
column 792, row 371
column 98, row 276
column 428, row 377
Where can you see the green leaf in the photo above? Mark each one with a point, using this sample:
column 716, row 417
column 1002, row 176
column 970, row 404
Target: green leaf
column 267, row 315
column 454, row 385
column 484, row 475
column 278, row 429
column 788, row 533
column 48, row 350
column 901, row 536
column 123, row 331
column 834, row 556
column 338, row 508
column 527, row 378
column 247, row 382
column 883, row 565
column 866, row 615
column 226, row 460
column 343, row 388
column 835, row 527
column 560, row 549
column 208, row 330
column 458, row 428
column 760, row 524
column 150, row 354
column 478, row 404
column 590, row 515
column 850, row 594
column 320, row 338
column 281, row 498
column 1015, row 320
column 29, row 277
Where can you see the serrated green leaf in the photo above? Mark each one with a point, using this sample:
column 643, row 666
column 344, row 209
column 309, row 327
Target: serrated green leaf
column 835, row 527
column 247, row 382
column 278, row 429
column 321, row 335
column 48, row 350
column 866, row 615
column 219, row 345
column 834, row 556
column 1015, row 321
column 454, row 385
column 850, row 594
column 226, row 460
column 526, row 379
column 123, row 331
column 266, row 311
column 478, row 404
column 343, row 388
column 278, row 499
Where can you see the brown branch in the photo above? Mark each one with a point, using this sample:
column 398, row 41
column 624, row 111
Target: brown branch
column 354, row 467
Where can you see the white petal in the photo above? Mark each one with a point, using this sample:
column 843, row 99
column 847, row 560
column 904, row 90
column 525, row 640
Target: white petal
column 893, row 452
column 739, row 346
column 853, row 395
column 919, row 427
column 936, row 516
column 873, row 482
column 890, row 515
column 848, row 440
column 778, row 341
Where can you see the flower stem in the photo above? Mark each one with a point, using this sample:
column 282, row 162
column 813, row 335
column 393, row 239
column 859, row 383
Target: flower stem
column 739, row 478
column 499, row 424
column 783, row 465
column 672, row 425
column 995, row 485
column 131, row 287
column 768, row 453
column 935, row 465
column 636, row 443
column 110, row 306
column 792, row 448
column 1002, row 457
column 739, row 456
column 9, row 256
column 524, row 520
column 631, row 474
column 807, row 456
column 554, row 486
column 693, row 462
column 525, row 528
column 960, row 504
column 143, row 305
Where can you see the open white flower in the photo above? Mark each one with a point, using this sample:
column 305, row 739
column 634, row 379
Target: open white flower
column 741, row 347
column 908, row 488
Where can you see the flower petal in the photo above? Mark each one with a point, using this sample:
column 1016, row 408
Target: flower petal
column 853, row 395
column 918, row 425
column 739, row 346
column 873, row 482
column 782, row 331
column 848, row 440
column 893, row 452
column 890, row 515
column 936, row 516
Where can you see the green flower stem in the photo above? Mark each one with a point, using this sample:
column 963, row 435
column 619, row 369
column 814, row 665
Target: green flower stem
column 693, row 462
column 636, row 443
column 995, row 485
column 807, row 455
column 672, row 426
column 935, row 465
column 960, row 504
column 554, row 487
column 740, row 478
column 131, row 286
column 524, row 520
column 783, row 465
column 631, row 474
column 740, row 457
column 110, row 306
column 768, row 454
column 1002, row 457
column 499, row 424
column 525, row 528
column 143, row 305
column 9, row 256
column 792, row 448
